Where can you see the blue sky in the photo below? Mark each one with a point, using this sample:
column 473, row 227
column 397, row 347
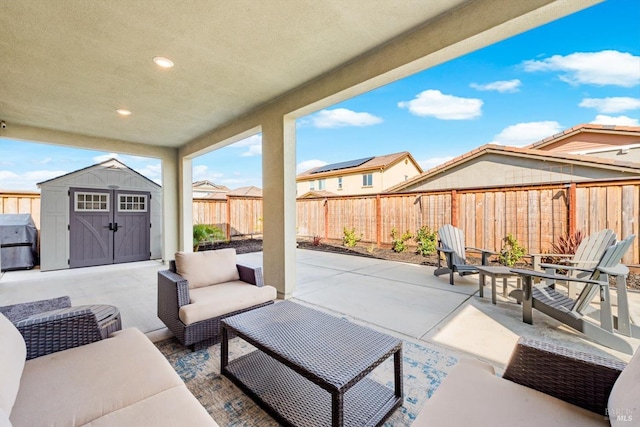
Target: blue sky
column 584, row 68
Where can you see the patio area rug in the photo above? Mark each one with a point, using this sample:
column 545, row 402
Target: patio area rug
column 424, row 368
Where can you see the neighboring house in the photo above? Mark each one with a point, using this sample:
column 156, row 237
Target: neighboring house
column 208, row 190
column 250, row 191
column 369, row 175
column 605, row 141
column 499, row 166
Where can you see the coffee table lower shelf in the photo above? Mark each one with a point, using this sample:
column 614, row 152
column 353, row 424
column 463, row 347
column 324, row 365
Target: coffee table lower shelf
column 293, row 400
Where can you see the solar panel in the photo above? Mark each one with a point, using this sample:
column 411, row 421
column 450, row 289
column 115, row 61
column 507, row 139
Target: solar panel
column 342, row 165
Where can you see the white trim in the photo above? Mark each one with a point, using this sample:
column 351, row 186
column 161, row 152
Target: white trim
column 106, row 203
column 606, row 149
column 136, row 199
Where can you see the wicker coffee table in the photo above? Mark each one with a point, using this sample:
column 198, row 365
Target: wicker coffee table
column 309, row 368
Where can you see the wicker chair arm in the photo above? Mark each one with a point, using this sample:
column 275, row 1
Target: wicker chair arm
column 251, row 275
column 173, row 287
column 52, row 333
column 17, row 312
column 579, row 378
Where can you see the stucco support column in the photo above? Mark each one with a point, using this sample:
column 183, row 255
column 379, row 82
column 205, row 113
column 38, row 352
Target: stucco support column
column 185, row 204
column 170, row 205
column 279, row 198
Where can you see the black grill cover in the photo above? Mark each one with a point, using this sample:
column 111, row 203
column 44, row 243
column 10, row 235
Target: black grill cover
column 18, row 242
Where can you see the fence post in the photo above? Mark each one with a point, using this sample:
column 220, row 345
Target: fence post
column 572, row 208
column 326, row 218
column 454, row 208
column 378, row 220
column 228, row 218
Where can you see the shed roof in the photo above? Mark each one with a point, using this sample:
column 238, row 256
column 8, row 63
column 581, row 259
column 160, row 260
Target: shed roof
column 111, row 163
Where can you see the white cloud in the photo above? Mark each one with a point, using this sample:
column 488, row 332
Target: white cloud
column 254, row 150
column 247, row 142
column 433, row 162
column 522, row 134
column 601, row 119
column 309, row 164
column 201, row 173
column 611, row 105
column 253, row 145
column 607, row 67
column 502, row 86
column 26, row 181
column 105, row 157
column 151, row 171
column 445, row 107
column 342, row 117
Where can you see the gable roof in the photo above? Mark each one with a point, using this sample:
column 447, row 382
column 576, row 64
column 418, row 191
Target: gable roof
column 505, row 150
column 112, row 163
column 206, row 185
column 317, row 194
column 587, row 127
column 250, row 191
column 359, row 165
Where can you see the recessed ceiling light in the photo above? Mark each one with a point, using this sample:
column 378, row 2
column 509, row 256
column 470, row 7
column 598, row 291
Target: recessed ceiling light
column 123, row 112
column 163, row 62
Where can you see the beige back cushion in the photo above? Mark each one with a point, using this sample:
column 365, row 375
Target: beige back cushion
column 207, row 267
column 13, row 353
column 624, row 400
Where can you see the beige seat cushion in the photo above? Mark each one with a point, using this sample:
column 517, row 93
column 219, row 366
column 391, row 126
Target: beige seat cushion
column 173, row 407
column 214, row 301
column 13, row 353
column 82, row 384
column 624, row 400
column 473, row 396
column 207, row 267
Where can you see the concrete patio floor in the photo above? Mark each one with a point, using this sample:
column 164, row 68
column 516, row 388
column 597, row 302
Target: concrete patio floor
column 404, row 300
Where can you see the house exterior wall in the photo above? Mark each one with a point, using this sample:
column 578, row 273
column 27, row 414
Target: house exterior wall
column 493, row 170
column 588, row 141
column 352, row 182
column 54, row 233
column 633, row 154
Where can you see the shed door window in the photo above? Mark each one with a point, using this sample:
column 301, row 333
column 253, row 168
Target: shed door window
column 132, row 203
column 91, row 202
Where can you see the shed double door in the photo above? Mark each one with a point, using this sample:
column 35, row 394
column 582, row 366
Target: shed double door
column 108, row 226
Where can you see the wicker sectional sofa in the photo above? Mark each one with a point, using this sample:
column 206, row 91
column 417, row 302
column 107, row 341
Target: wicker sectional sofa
column 543, row 385
column 119, row 381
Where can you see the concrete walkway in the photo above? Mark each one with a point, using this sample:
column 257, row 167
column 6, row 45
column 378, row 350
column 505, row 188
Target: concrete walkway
column 405, row 300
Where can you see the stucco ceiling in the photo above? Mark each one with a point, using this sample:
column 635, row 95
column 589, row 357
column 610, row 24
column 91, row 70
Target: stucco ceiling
column 69, row 64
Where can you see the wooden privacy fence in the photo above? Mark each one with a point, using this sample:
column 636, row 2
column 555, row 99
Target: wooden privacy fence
column 21, row 202
column 536, row 215
column 235, row 215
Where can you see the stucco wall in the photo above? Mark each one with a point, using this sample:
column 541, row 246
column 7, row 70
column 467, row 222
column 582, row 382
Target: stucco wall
column 493, row 170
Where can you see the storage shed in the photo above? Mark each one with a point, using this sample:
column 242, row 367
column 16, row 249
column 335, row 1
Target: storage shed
column 103, row 214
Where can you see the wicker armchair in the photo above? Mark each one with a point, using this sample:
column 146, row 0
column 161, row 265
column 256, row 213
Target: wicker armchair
column 45, row 330
column 176, row 295
column 543, row 384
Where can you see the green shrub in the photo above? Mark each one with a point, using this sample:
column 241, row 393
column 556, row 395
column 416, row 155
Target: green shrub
column 426, row 240
column 350, row 239
column 511, row 251
column 399, row 243
column 203, row 233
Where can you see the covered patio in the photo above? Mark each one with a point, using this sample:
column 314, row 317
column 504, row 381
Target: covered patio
column 404, row 300
column 241, row 68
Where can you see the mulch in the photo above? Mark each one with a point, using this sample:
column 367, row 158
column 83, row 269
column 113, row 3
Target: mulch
column 365, row 250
